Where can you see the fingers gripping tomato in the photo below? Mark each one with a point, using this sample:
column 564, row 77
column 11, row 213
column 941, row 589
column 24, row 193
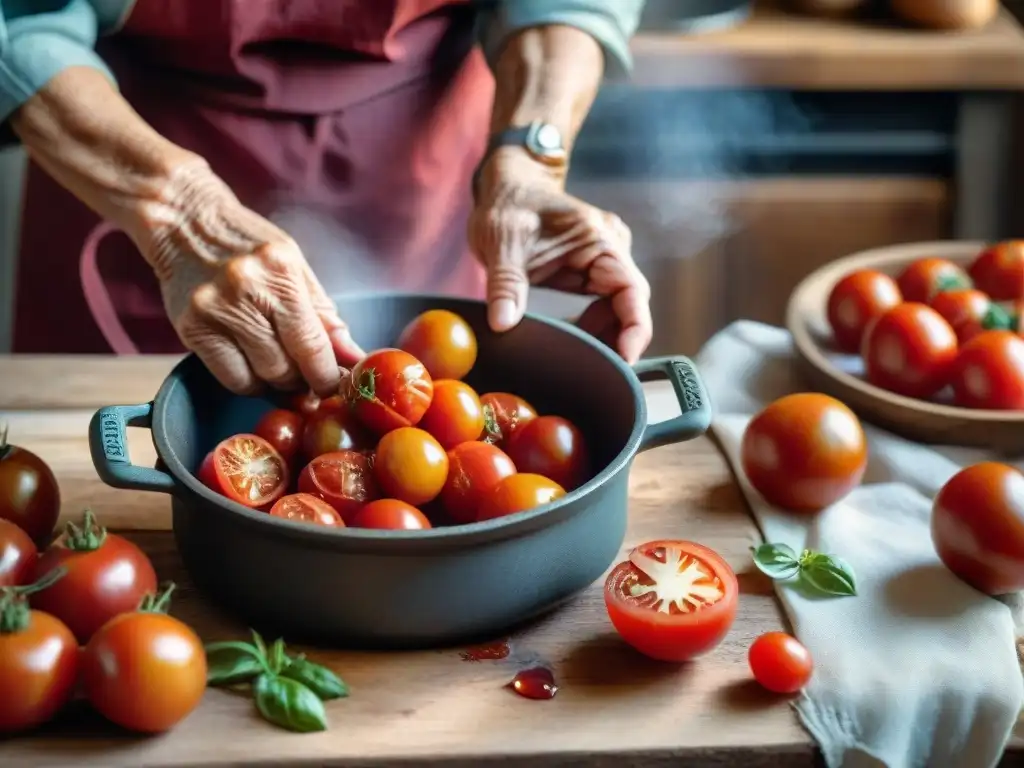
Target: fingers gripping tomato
column 388, row 389
column 672, row 600
column 29, row 495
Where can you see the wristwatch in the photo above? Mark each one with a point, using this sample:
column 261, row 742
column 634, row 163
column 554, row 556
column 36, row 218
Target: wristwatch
column 542, row 141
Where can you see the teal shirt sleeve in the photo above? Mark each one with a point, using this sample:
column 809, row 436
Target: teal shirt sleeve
column 610, row 22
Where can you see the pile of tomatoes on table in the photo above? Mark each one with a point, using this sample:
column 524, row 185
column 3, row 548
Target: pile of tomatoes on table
column 405, row 444
column 938, row 326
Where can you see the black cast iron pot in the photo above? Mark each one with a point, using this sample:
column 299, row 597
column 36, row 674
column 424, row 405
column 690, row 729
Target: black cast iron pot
column 375, row 588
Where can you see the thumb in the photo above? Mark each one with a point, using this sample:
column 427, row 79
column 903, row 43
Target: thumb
column 506, row 247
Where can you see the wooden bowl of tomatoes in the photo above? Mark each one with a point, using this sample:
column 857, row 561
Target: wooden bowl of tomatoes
column 922, row 339
column 410, row 509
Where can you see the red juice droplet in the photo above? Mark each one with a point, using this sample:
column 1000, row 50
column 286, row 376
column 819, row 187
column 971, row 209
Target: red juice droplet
column 535, row 683
column 499, row 649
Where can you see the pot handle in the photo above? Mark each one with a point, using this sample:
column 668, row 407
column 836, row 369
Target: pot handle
column 108, row 445
column 693, row 401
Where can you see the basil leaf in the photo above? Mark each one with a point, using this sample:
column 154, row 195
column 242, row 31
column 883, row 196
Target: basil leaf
column 319, row 679
column 828, row 575
column 777, row 561
column 258, row 643
column 231, row 666
column 277, row 657
column 289, row 704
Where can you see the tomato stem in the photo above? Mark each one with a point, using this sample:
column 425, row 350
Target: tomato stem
column 158, row 602
column 491, row 426
column 997, row 318
column 85, row 538
column 15, row 612
column 366, row 386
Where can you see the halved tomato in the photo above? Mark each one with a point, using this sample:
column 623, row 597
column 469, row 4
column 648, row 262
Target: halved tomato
column 388, row 389
column 999, row 271
column 390, row 514
column 307, row 508
column 246, row 469
column 504, row 414
column 672, row 600
column 344, row 479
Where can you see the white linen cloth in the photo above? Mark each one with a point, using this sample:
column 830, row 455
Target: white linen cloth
column 918, row 669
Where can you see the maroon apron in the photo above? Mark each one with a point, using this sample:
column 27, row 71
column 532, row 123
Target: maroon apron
column 355, row 124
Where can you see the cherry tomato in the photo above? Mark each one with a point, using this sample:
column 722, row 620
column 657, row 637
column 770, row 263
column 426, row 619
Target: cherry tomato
column 106, row 575
column 455, row 414
column 17, row 555
column 910, row 350
column 388, row 389
column 978, row 527
column 804, row 452
column 344, row 479
column 518, row 493
column 411, row 465
column 474, row 469
column 672, row 600
column 29, row 495
column 553, row 447
column 390, row 514
column 989, row 372
column 307, row 508
column 305, row 404
column 780, row 662
column 504, row 414
column 38, row 665
column 999, row 271
column 144, row 670
column 443, row 341
column 246, row 469
column 330, row 430
column 922, row 279
column 970, row 312
column 855, row 301
column 283, row 430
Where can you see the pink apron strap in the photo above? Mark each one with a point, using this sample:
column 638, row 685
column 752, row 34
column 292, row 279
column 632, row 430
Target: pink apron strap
column 97, row 297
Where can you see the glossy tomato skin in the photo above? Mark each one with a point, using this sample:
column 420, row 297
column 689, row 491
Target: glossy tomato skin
column 977, row 527
column 518, row 493
column 675, row 635
column 344, row 479
column 305, row 403
column 283, row 430
column 38, row 672
column 922, row 279
column 857, row 300
column 989, row 372
column 504, row 415
column 144, row 671
column 443, row 341
column 29, row 494
column 474, row 470
column 970, row 312
column 17, row 555
column 333, row 429
column 390, row 514
column 999, row 271
column 553, row 447
column 246, row 469
column 388, row 389
column 910, row 350
column 410, row 465
column 780, row 662
column 455, row 414
column 804, row 452
column 307, row 508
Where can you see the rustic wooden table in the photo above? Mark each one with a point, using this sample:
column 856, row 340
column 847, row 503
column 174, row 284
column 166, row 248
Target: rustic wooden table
column 433, row 708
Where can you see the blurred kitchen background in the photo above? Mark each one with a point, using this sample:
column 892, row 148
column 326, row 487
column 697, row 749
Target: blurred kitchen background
column 753, row 145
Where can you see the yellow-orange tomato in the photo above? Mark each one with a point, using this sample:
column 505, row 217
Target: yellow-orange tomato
column 442, row 341
column 804, row 452
column 410, row 465
column 455, row 414
column 518, row 493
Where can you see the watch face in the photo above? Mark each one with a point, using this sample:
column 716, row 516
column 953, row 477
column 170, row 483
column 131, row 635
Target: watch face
column 548, row 137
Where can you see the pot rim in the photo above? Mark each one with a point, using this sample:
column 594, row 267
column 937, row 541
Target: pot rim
column 518, row 524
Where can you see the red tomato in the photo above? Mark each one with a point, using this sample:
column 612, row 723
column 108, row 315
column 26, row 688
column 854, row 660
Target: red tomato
column 106, row 575
column 388, row 389
column 332, row 429
column 283, row 430
column 518, row 493
column 443, row 341
column 38, row 665
column 855, row 301
column 553, row 447
column 474, row 470
column 970, row 312
column 920, row 281
column 144, row 670
column 504, row 414
column 999, row 271
column 29, row 495
column 17, row 555
column 247, row 470
column 989, row 372
column 307, row 508
column 390, row 514
column 672, row 600
column 804, row 452
column 304, row 404
column 411, row 465
column 978, row 527
column 780, row 662
column 343, row 479
column 455, row 414
column 910, row 350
